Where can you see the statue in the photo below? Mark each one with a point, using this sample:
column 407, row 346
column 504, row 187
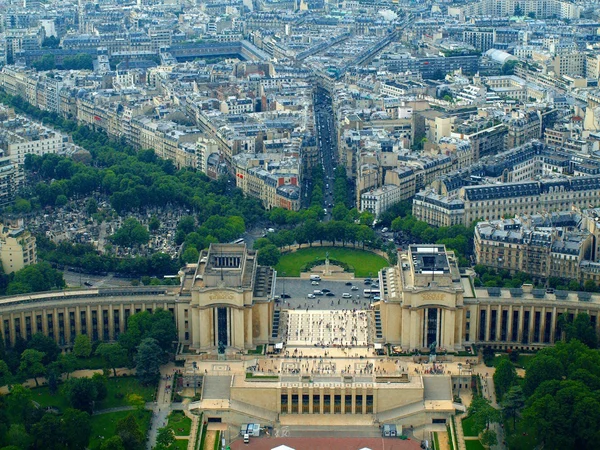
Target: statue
column 327, row 271
column 432, row 351
column 221, row 349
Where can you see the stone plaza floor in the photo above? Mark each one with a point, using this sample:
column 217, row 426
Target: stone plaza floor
column 329, row 328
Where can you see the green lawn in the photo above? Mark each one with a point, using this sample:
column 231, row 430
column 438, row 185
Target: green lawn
column 180, row 423
column 180, row 444
column 474, row 445
column 92, row 363
column 522, row 361
column 364, row 263
column 467, row 424
column 117, row 391
column 104, row 425
column 119, row 388
column 522, row 439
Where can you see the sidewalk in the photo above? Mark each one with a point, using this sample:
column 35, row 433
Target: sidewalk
column 162, row 407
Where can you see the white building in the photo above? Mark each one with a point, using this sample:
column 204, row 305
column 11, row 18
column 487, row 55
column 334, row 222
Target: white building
column 377, row 201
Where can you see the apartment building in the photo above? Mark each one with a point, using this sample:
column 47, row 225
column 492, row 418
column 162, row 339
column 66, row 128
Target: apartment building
column 17, row 247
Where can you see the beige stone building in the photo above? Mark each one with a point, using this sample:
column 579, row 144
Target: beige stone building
column 17, row 248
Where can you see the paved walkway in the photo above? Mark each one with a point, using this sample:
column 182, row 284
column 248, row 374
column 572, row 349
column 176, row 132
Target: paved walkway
column 162, row 406
column 460, row 434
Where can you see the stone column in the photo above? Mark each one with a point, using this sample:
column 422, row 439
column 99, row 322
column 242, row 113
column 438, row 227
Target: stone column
column 520, row 327
column 531, row 324
column 13, row 329
column 498, row 323
column 488, row 321
column 300, row 403
column 77, row 320
column 56, row 325
column 237, row 328
column 353, row 400
column 111, row 322
column 553, row 325
column 44, row 321
column 311, row 392
column 364, row 401
column 289, row 394
column 122, row 324
column 414, row 331
column 425, row 328
column 322, row 400
column 194, row 319
column 248, row 333
column 67, row 318
column 343, row 405
column 542, row 324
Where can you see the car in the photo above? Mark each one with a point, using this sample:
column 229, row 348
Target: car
column 348, row 283
column 286, row 296
column 311, row 296
column 314, row 283
column 325, row 290
column 87, row 283
column 367, row 282
column 346, row 295
column 354, row 288
column 317, row 292
column 330, row 294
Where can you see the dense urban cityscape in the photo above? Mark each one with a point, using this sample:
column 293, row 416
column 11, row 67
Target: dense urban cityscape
column 299, row 224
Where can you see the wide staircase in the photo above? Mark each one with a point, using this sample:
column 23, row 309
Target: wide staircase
column 216, row 387
column 437, row 387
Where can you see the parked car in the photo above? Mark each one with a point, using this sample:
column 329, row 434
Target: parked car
column 325, row 290
column 348, row 283
column 354, row 288
column 346, row 295
column 314, row 283
column 311, row 296
column 330, row 294
column 286, row 296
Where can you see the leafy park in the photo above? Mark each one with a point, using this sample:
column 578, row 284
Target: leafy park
column 68, row 411
column 556, row 405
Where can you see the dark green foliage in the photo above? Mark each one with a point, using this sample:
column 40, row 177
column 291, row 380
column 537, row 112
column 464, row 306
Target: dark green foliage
column 46, row 62
column 563, row 408
column 131, row 234
column 46, row 345
column 580, row 328
column 148, row 360
column 81, row 393
column 78, row 62
column 504, row 378
column 130, row 433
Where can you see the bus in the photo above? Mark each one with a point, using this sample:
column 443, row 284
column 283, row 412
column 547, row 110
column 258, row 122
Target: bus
column 239, row 241
column 367, row 293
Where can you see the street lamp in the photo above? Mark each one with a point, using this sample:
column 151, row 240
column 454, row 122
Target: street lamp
column 459, row 377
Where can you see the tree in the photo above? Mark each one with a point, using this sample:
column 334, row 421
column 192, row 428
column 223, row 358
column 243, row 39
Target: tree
column 542, row 368
column 488, row 438
column 129, row 432
column 66, row 363
column 31, row 364
column 83, row 346
column 269, row 255
column 165, row 437
column 76, row 429
column 483, row 414
column 46, row 345
column 190, row 255
column 148, row 360
column 137, row 401
column 5, row 374
column 132, row 233
column 504, row 377
column 81, row 393
column 580, row 328
column 17, row 435
column 19, row 402
column 113, row 443
column 113, row 354
column 46, row 62
column 48, row 433
column 154, row 224
column 512, row 403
